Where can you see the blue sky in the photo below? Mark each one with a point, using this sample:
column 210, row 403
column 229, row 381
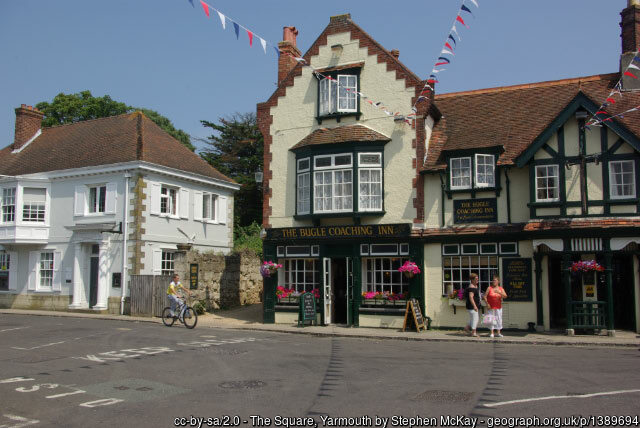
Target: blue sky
column 167, row 56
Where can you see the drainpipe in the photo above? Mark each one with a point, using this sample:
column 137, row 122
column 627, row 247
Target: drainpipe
column 506, row 175
column 125, row 233
column 442, row 186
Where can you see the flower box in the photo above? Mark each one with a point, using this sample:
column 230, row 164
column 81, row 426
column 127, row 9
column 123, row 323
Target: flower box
column 457, row 302
column 381, row 303
column 290, row 300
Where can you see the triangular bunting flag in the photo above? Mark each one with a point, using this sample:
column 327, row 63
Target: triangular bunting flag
column 236, row 27
column 627, row 73
column 277, row 51
column 263, row 42
column 205, row 7
column 453, row 40
column 637, row 58
column 222, row 20
column 455, row 30
column 466, row 9
column 611, row 100
column 250, row 34
column 474, row 2
column 449, row 46
column 444, row 51
column 191, row 1
column 441, row 58
column 634, row 66
column 460, row 20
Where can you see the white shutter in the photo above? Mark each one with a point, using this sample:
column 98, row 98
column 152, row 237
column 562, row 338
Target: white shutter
column 197, row 205
column 112, row 194
column 13, row 270
column 222, row 209
column 157, row 262
column 57, row 271
column 183, row 200
column 155, row 198
column 80, row 200
column 34, row 257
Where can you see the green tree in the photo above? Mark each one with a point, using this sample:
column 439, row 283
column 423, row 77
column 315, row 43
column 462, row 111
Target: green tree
column 71, row 108
column 235, row 149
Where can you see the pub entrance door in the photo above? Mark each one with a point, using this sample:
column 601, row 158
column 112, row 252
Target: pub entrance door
column 338, row 290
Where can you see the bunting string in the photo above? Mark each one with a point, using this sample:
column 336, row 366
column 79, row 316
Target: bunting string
column 601, row 116
column 445, row 55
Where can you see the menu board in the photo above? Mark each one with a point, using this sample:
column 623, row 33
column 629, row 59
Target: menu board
column 517, row 279
column 413, row 316
column 193, row 276
column 307, row 310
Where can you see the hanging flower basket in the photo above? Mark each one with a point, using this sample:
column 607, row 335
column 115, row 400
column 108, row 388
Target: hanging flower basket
column 268, row 268
column 586, row 266
column 409, row 269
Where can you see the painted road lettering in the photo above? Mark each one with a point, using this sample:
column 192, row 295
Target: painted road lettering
column 17, row 379
column 18, row 421
column 103, row 357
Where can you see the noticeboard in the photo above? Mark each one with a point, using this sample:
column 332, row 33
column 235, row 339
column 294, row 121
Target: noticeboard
column 413, row 316
column 517, row 279
column 193, row 276
column 307, row 310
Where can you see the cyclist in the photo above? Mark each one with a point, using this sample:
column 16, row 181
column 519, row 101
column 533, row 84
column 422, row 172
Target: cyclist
column 172, row 293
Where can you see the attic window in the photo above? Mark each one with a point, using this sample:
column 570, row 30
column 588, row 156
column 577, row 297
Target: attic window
column 338, row 93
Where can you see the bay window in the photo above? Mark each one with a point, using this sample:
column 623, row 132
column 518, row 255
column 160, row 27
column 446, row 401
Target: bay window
column 333, row 184
column 304, row 186
column 622, row 179
column 370, row 180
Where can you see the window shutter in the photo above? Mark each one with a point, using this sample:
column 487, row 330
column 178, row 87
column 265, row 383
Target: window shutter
column 197, row 205
column 80, row 200
column 34, row 256
column 184, row 203
column 222, row 209
column 157, row 262
column 57, row 271
column 13, row 270
column 155, row 198
column 112, row 194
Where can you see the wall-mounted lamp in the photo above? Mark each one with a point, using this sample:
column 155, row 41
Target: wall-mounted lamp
column 581, row 114
column 258, row 175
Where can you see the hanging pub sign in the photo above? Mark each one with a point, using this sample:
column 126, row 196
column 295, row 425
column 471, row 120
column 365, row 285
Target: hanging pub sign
column 475, row 210
column 517, row 279
column 193, row 276
column 401, row 230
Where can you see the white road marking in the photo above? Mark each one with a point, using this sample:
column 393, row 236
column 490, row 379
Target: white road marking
column 15, row 328
column 22, row 422
column 36, row 347
column 16, row 379
column 556, row 397
column 103, row 402
column 77, row 391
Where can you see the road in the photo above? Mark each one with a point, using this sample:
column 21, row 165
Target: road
column 72, row 372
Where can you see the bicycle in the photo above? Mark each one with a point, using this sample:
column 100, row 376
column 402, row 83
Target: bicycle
column 186, row 315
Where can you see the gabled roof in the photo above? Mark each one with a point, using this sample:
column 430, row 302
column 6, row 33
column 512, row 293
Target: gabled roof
column 516, row 116
column 124, row 138
column 341, row 134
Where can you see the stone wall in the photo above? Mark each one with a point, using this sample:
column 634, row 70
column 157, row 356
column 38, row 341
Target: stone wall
column 223, row 281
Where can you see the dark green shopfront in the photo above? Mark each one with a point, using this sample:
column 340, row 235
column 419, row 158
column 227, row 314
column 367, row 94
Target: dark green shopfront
column 341, row 264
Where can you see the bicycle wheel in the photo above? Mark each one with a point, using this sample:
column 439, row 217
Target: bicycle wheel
column 189, row 317
column 167, row 319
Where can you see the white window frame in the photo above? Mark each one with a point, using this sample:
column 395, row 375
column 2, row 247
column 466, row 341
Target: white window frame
column 381, row 274
column 613, row 185
column 370, row 165
column 303, row 197
column 167, row 262
column 332, row 91
column 547, row 176
column 488, row 178
column 295, row 274
column 333, row 161
column 39, row 209
column 8, row 194
column 97, row 188
column 212, row 215
column 485, row 271
column 460, row 168
column 366, row 196
column 170, row 202
column 45, row 265
column 301, row 169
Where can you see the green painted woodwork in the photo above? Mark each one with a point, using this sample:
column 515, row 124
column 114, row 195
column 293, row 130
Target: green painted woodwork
column 608, row 269
column 537, row 257
column 338, row 116
column 357, row 288
column 566, row 282
column 269, row 288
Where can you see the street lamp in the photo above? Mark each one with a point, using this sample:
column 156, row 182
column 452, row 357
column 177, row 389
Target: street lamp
column 258, row 176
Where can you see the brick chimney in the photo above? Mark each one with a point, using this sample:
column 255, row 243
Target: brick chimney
column 630, row 25
column 28, row 121
column 288, row 50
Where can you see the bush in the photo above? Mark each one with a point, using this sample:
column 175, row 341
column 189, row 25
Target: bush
column 248, row 238
column 200, row 307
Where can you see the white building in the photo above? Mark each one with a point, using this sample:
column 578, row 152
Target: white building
column 85, row 205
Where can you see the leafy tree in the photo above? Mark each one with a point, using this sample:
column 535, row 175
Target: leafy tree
column 71, row 108
column 235, row 149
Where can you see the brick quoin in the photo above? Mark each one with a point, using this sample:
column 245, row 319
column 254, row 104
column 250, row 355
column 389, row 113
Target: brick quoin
column 28, row 122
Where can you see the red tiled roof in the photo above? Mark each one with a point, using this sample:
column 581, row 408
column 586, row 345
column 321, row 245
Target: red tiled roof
column 124, row 138
column 513, row 116
column 341, row 134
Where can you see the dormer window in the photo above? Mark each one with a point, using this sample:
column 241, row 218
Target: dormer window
column 338, row 93
column 465, row 174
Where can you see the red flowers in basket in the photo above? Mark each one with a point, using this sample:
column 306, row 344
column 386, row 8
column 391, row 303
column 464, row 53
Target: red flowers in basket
column 586, row 266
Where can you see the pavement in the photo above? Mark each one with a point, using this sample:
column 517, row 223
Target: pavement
column 250, row 318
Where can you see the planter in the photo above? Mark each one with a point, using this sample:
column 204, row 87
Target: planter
column 457, row 302
column 381, row 303
column 288, row 301
column 408, row 274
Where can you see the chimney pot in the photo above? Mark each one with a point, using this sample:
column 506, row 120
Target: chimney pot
column 288, row 52
column 395, row 53
column 28, row 121
column 290, row 34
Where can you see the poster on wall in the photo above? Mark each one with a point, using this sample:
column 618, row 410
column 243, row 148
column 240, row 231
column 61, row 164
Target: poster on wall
column 517, row 279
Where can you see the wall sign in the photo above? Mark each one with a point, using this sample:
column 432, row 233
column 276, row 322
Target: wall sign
column 517, row 279
column 193, row 276
column 336, row 232
column 475, row 210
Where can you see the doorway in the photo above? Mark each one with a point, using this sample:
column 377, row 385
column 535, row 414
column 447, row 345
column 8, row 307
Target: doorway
column 624, row 317
column 557, row 295
column 93, row 276
column 339, row 291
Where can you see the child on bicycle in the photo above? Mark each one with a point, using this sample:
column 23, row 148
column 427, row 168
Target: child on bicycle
column 172, row 293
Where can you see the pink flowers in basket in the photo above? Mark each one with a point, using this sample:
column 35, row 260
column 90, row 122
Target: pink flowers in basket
column 586, row 266
column 282, row 292
column 384, row 295
column 409, row 267
column 269, row 267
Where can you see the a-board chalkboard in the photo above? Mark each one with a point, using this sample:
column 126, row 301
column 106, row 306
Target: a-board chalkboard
column 307, row 309
column 413, row 308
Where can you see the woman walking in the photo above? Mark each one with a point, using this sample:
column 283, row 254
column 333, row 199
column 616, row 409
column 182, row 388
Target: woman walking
column 472, row 297
column 494, row 295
